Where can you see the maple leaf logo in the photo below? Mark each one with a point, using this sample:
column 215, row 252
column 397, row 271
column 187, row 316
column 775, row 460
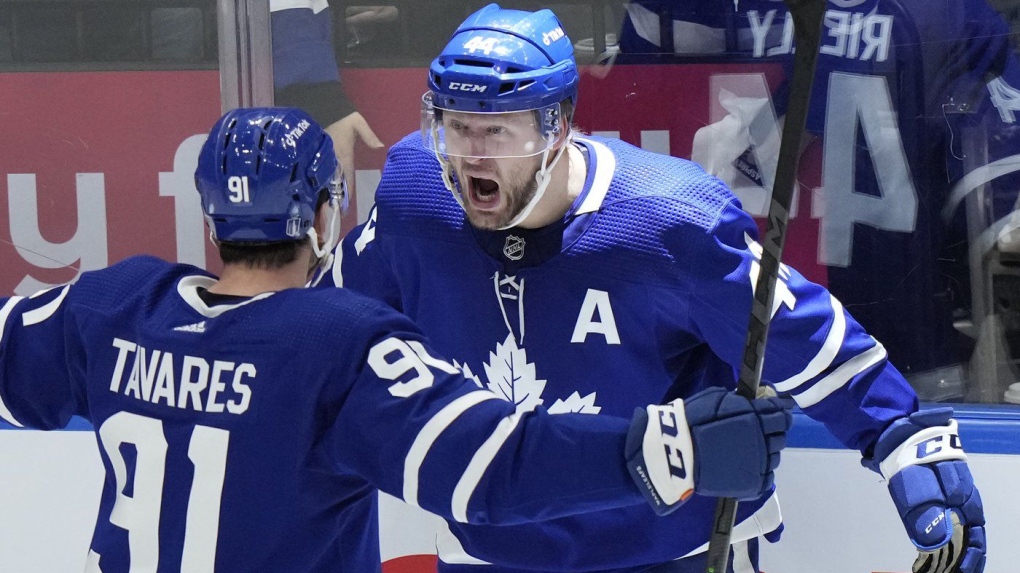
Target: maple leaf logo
column 468, row 373
column 576, row 404
column 512, row 377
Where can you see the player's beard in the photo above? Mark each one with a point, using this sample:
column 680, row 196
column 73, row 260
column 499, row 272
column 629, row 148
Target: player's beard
column 517, row 186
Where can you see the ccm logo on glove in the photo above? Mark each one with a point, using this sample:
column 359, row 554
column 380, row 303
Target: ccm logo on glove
column 672, row 443
column 934, row 445
column 714, row 443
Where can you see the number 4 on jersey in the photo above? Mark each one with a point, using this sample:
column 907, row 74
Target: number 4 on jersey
column 1005, row 98
column 858, row 102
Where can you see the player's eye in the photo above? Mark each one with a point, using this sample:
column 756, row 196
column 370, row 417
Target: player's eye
column 497, row 130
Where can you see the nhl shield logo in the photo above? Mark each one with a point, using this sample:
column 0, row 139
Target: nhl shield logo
column 514, row 248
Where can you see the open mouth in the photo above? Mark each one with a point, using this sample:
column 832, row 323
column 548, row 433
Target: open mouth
column 483, row 193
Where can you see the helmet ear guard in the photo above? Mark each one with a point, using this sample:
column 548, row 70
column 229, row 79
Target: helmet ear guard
column 326, row 174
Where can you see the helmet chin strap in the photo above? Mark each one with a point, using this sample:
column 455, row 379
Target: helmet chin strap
column 324, row 253
column 542, row 177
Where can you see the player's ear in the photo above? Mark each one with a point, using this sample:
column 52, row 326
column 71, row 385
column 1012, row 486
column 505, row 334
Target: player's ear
column 564, row 132
column 561, row 137
column 565, row 119
column 322, row 222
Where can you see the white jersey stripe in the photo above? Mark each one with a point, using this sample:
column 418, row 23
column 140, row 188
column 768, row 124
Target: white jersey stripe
column 338, row 263
column 841, row 376
column 5, row 313
column 742, row 558
column 430, row 433
column 825, row 356
column 40, row 314
column 605, row 167
column 768, row 518
column 479, row 463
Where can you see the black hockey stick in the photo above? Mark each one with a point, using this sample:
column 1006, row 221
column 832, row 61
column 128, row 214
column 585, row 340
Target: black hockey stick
column 807, row 21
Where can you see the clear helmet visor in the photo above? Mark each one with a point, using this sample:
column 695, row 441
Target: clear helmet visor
column 454, row 133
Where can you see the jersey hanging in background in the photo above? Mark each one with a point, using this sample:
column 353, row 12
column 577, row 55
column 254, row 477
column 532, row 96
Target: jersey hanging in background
column 914, row 108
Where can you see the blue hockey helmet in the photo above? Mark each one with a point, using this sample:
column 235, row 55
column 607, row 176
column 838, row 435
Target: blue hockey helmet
column 261, row 172
column 497, row 64
column 504, row 61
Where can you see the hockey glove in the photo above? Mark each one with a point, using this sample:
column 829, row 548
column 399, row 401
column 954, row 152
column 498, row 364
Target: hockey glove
column 931, row 486
column 714, row 443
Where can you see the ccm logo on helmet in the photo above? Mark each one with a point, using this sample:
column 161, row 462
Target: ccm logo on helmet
column 459, row 86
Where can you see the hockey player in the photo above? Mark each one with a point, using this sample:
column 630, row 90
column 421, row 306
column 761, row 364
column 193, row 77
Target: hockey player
column 245, row 422
column 582, row 274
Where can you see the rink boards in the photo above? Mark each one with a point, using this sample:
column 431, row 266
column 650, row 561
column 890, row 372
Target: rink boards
column 838, row 516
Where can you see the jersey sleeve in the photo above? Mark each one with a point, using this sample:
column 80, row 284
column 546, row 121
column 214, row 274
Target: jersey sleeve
column 360, row 264
column 39, row 361
column 816, row 352
column 414, row 427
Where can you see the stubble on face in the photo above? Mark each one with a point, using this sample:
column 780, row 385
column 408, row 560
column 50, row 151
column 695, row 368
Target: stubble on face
column 517, row 186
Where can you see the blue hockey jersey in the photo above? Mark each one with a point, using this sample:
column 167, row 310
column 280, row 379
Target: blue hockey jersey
column 915, row 103
column 252, row 435
column 641, row 293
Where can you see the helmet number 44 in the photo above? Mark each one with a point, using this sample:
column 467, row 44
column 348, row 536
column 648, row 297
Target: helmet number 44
column 476, row 43
column 238, row 186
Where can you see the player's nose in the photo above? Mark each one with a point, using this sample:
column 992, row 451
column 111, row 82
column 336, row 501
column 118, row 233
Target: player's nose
column 476, row 160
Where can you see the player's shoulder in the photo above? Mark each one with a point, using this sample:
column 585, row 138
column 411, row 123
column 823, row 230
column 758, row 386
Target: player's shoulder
column 412, row 198
column 337, row 325
column 130, row 279
column 409, row 146
column 661, row 190
column 410, row 155
column 335, row 315
column 137, row 264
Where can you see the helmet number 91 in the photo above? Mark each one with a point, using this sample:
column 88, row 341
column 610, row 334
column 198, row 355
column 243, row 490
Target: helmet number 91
column 238, row 186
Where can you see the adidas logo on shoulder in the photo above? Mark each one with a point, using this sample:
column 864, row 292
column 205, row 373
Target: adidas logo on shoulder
column 197, row 327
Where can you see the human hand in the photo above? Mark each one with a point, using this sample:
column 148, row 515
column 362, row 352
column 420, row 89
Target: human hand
column 345, row 133
column 714, row 443
column 933, row 491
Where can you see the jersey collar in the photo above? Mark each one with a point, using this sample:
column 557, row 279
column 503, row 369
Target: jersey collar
column 601, row 167
column 188, row 287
